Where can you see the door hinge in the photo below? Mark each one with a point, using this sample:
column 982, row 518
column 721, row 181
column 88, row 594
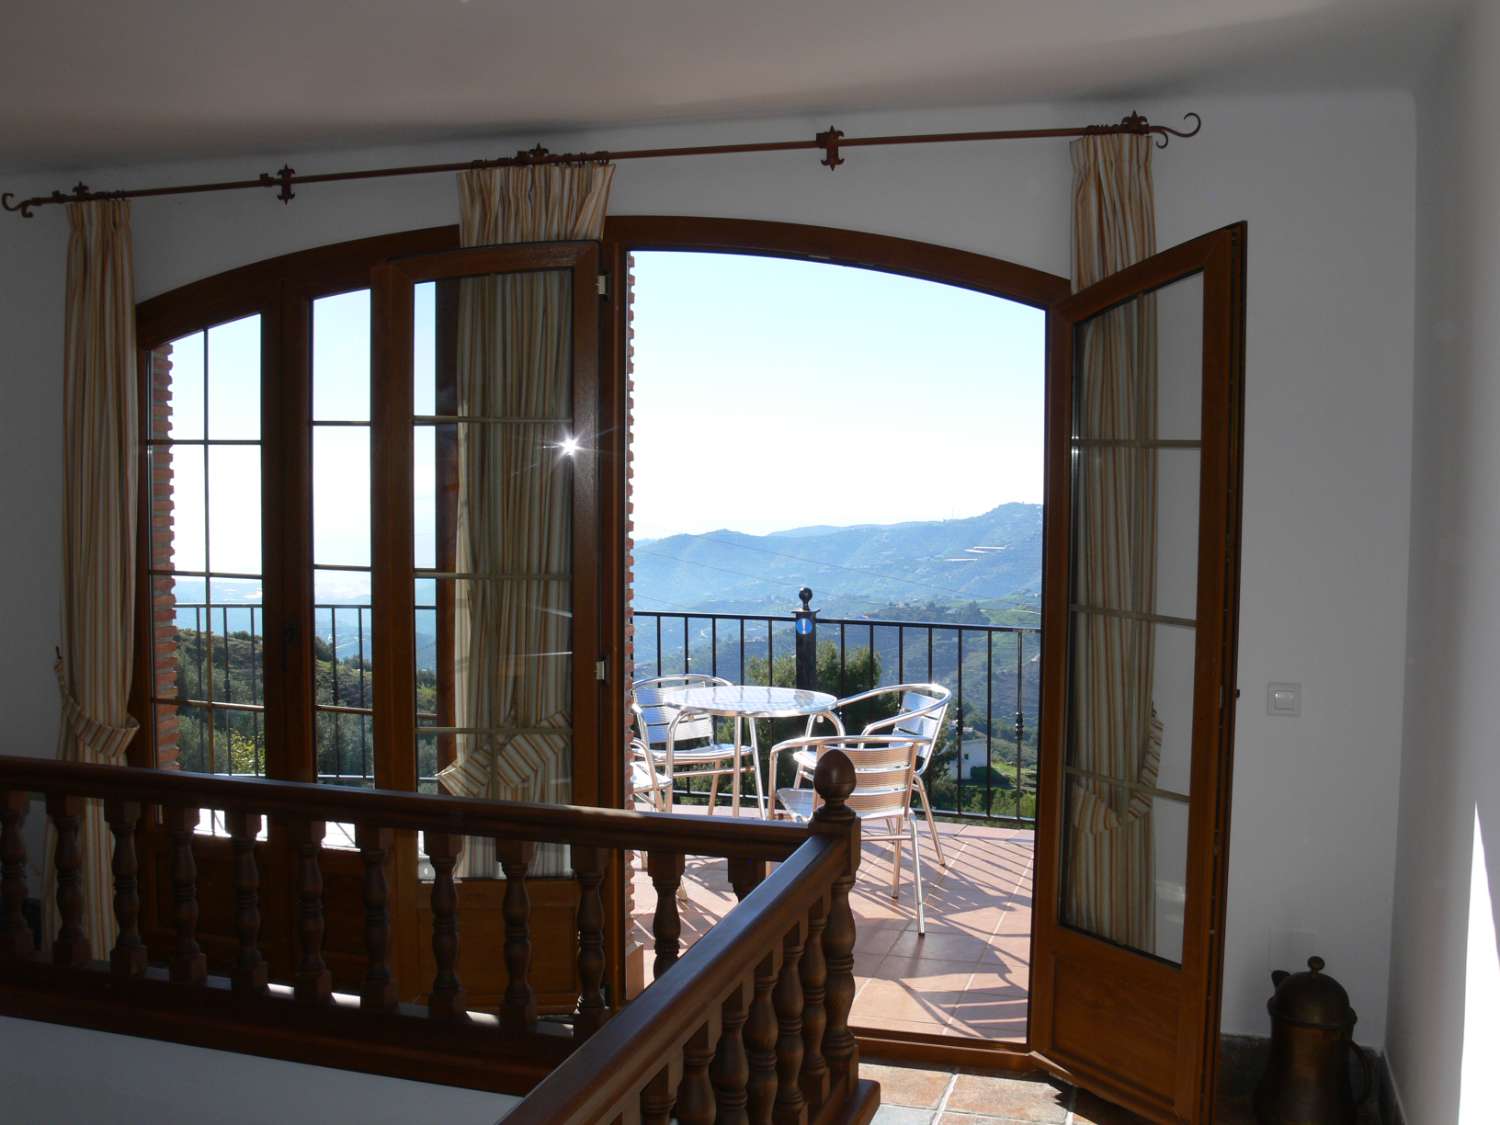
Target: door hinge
column 601, row 669
column 604, row 285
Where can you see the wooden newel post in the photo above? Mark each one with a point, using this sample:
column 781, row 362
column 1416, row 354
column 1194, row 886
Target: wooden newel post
column 834, row 781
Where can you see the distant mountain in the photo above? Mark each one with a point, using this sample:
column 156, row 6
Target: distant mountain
column 996, row 556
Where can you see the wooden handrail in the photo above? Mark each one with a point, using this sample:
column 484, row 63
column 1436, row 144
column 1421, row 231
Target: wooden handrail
column 466, row 816
column 608, row 1070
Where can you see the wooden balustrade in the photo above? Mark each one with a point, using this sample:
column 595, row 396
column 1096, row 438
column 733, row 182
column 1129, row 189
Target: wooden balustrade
column 750, row 1024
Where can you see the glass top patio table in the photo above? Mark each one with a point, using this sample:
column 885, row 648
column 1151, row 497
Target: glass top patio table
column 751, row 702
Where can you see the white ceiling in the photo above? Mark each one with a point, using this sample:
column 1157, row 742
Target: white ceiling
column 84, row 82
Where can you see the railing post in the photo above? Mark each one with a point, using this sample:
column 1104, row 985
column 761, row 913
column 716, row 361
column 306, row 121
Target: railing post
column 188, row 964
column 16, row 938
column 128, row 958
column 730, row 1071
column 72, row 945
column 791, row 1106
column 378, row 993
column 446, row 1000
column 834, row 781
column 814, row 1078
column 249, row 975
column 760, row 1042
column 588, row 869
column 314, row 983
column 518, row 1010
column 807, row 644
column 665, row 869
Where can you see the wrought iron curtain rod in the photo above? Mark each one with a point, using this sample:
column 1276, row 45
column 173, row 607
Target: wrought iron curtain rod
column 831, row 141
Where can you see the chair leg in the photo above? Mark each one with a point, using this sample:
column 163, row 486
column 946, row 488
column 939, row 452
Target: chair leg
column 713, row 795
column 937, row 845
column 760, row 791
column 916, row 870
column 896, row 868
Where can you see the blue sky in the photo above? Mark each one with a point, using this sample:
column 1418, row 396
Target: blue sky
column 772, row 394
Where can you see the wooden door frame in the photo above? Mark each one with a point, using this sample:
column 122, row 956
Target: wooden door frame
column 1219, row 258
column 626, row 234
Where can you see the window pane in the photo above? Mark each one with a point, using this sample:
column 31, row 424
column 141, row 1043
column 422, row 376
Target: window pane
column 177, row 389
column 345, row 746
column 235, row 629
column 241, row 741
column 177, row 491
column 343, row 652
column 191, row 726
column 234, row 380
column 425, row 497
column 424, row 352
column 234, row 509
column 341, row 495
column 341, row 357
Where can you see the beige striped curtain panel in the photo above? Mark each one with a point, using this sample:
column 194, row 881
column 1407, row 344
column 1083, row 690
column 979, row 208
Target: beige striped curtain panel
column 99, row 526
column 1115, row 745
column 512, row 621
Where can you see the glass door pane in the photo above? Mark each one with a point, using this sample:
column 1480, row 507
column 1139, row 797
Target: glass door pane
column 495, row 555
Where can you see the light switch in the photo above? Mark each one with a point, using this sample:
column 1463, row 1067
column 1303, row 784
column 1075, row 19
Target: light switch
column 1284, row 699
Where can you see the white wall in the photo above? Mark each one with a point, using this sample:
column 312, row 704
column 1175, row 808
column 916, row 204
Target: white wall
column 1327, row 186
column 1445, row 1004
column 130, row 1080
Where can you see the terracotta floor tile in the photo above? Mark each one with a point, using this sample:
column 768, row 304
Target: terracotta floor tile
column 990, row 1009
column 1091, row 1110
column 1010, row 1098
column 902, row 1115
column 907, row 1085
column 941, row 945
column 925, row 999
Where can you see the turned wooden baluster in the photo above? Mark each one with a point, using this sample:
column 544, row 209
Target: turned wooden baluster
column 695, row 1093
column 188, row 965
column 666, row 870
column 745, row 875
column 446, row 1001
column 790, row 1105
column 249, row 972
column 313, row 983
column 814, row 1077
column 588, row 868
column 378, row 993
column 656, row 1099
column 834, row 782
column 760, row 1044
column 731, row 1068
column 518, row 1008
column 128, row 958
column 16, row 938
column 72, row 945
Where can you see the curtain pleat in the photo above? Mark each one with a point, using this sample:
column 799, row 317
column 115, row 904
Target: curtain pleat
column 100, row 438
column 512, row 624
column 1116, row 745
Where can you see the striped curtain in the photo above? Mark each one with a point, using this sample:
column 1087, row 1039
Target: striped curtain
column 1116, row 743
column 99, row 525
column 512, row 621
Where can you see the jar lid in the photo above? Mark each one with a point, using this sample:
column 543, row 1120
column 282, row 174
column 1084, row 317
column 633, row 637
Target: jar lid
column 1312, row 999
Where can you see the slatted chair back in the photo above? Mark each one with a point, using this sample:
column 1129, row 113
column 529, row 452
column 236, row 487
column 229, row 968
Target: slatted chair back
column 655, row 709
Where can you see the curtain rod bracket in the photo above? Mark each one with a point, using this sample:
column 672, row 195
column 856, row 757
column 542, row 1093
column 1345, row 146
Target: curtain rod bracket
column 828, row 141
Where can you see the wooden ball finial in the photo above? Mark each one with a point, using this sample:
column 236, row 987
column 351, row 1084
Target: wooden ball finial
column 834, row 778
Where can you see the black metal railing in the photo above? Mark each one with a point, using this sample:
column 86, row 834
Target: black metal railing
column 984, row 764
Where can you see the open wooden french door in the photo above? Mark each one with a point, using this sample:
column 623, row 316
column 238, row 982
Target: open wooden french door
column 1140, row 617
column 486, row 421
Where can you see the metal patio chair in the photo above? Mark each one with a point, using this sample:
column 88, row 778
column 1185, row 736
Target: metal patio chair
column 668, row 739
column 919, row 716
column 884, row 765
